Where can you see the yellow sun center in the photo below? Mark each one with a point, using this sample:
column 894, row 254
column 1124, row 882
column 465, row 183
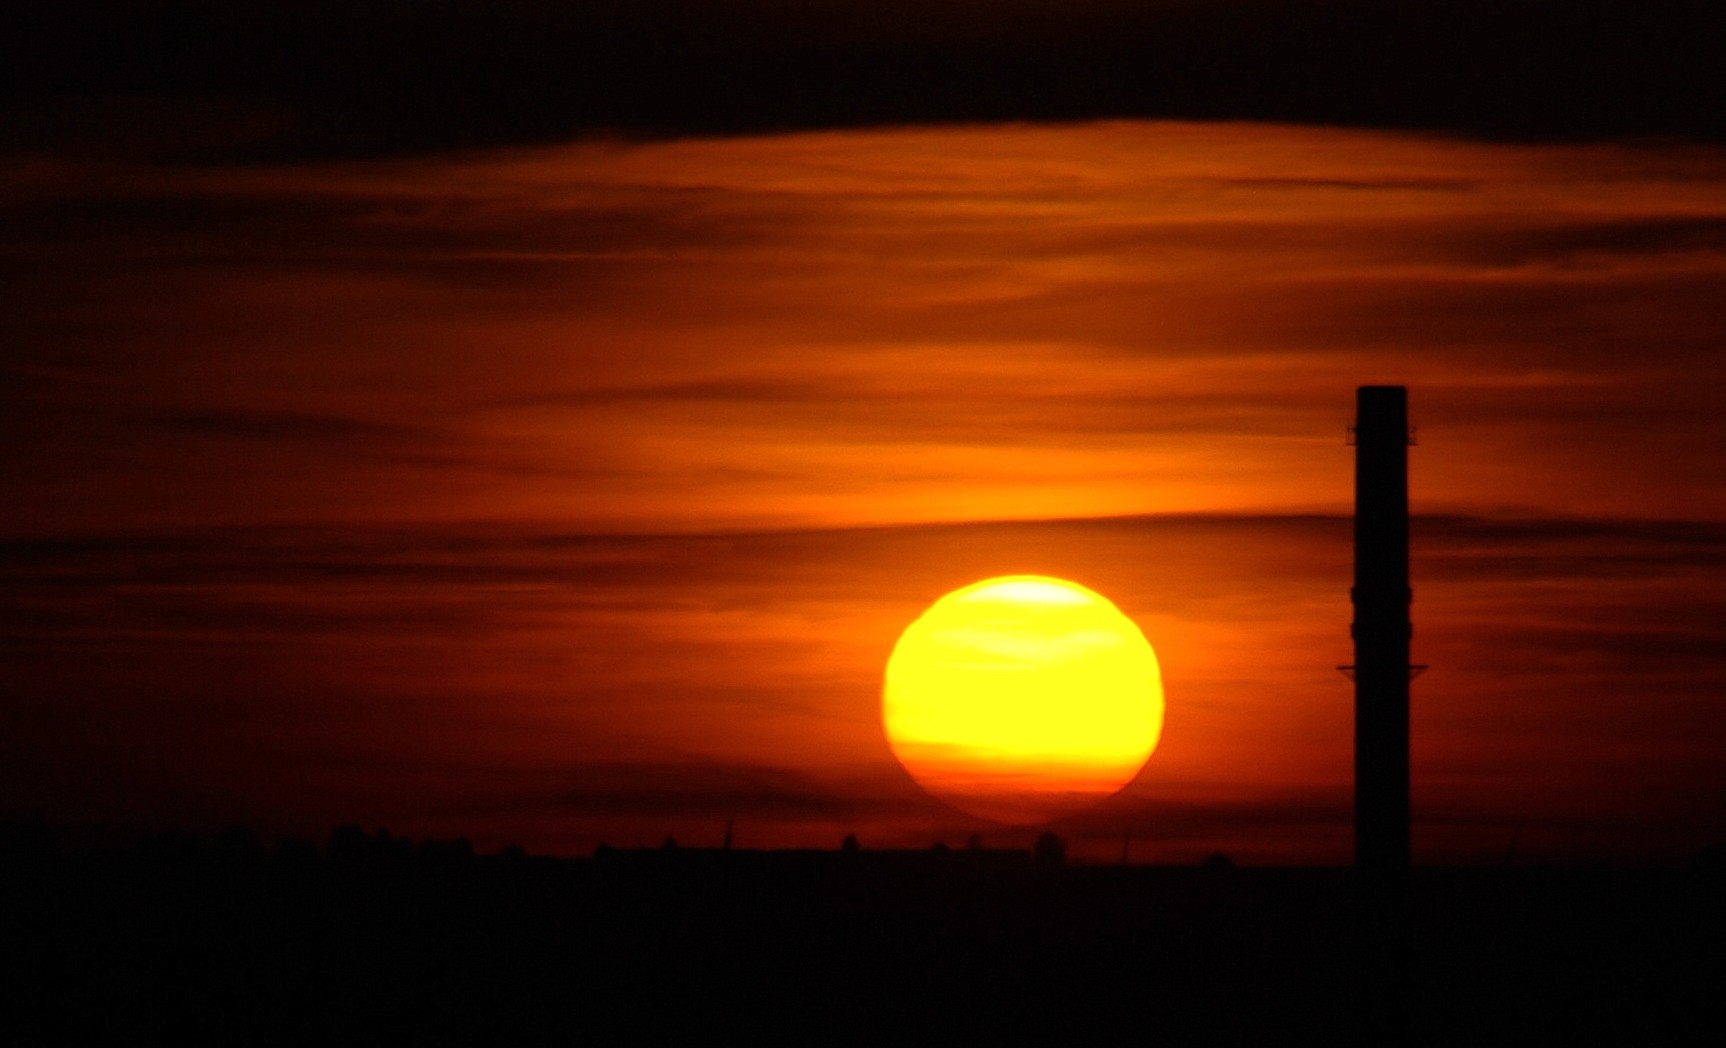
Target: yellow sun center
column 1023, row 697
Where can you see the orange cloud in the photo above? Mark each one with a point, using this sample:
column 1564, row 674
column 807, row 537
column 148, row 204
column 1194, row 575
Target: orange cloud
column 453, row 476
column 877, row 326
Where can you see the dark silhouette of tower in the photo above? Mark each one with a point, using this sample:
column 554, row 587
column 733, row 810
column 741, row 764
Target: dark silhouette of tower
column 1381, row 632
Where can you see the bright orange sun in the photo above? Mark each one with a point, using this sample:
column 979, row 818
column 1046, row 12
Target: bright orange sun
column 1021, row 698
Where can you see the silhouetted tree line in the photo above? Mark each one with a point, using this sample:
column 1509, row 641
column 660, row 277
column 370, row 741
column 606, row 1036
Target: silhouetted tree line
column 30, row 840
column 370, row 936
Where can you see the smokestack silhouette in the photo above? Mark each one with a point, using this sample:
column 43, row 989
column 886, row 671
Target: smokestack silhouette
column 1381, row 632
column 1381, row 671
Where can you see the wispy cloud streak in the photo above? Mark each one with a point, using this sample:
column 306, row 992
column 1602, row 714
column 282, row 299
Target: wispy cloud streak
column 863, row 328
column 336, row 488
column 556, row 686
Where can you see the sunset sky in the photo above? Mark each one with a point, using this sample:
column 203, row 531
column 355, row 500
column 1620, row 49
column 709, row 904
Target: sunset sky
column 564, row 471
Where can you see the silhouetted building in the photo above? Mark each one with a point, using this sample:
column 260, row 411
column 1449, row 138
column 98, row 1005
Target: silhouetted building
column 1049, row 851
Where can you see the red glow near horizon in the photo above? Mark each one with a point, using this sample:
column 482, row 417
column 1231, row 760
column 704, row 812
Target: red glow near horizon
column 578, row 494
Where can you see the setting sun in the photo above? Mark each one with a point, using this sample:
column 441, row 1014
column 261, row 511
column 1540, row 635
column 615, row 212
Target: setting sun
column 1021, row 698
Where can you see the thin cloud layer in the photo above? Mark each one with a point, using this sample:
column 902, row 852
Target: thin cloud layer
column 285, row 78
column 423, row 491
column 570, row 690
column 863, row 328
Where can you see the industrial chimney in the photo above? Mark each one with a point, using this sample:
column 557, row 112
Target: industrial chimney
column 1381, row 671
column 1381, row 632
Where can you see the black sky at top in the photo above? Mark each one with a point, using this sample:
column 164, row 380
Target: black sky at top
column 278, row 79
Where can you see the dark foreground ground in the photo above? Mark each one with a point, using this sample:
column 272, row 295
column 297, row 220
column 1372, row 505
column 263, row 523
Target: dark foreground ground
column 190, row 945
